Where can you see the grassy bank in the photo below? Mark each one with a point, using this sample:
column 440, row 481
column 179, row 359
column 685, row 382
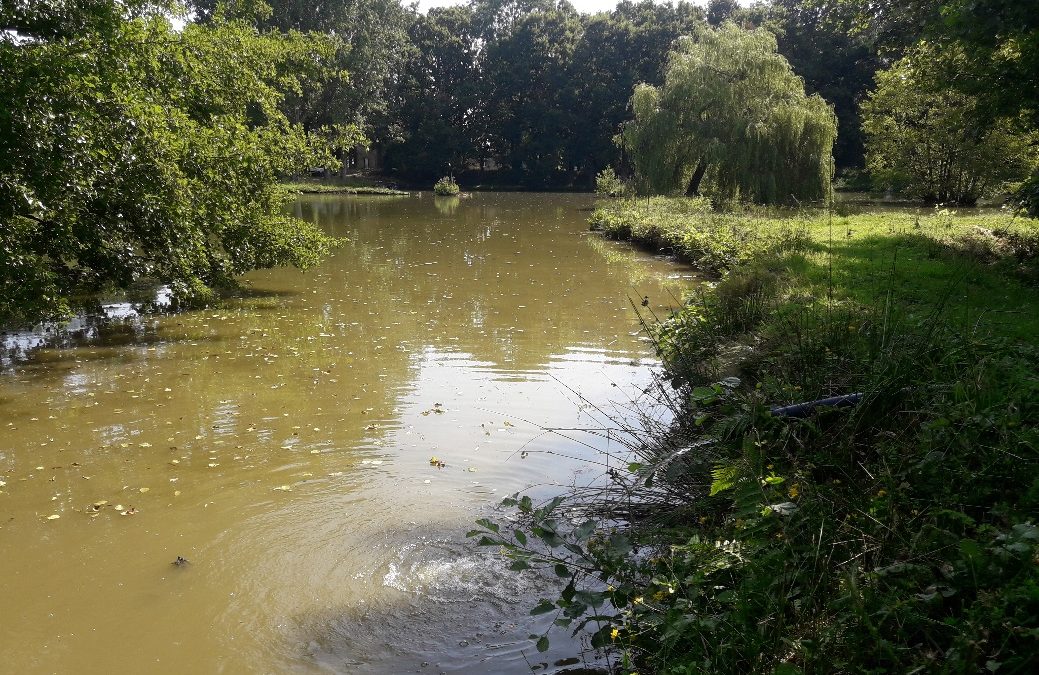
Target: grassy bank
column 897, row 535
column 318, row 187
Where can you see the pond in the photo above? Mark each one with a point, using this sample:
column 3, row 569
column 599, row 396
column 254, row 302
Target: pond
column 280, row 443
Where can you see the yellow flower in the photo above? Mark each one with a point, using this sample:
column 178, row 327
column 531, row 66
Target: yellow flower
column 881, row 493
column 794, row 491
column 614, row 634
column 659, row 595
column 639, row 600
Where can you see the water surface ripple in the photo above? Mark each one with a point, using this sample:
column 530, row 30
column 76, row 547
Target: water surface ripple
column 281, row 444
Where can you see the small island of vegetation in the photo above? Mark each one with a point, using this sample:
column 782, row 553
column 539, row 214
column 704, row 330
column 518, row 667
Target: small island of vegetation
column 446, row 187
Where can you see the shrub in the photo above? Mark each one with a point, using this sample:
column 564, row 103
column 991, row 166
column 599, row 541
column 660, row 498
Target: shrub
column 446, row 186
column 933, row 142
column 607, row 184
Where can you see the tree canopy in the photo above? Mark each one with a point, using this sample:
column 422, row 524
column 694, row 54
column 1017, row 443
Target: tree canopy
column 130, row 150
column 936, row 142
column 733, row 120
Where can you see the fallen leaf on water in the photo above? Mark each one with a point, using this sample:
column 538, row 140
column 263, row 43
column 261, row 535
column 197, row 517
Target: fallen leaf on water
column 284, row 488
column 124, row 445
column 53, row 517
column 39, row 468
column 118, row 507
column 129, row 512
column 508, row 423
column 144, row 489
column 145, row 445
column 214, row 464
column 176, row 493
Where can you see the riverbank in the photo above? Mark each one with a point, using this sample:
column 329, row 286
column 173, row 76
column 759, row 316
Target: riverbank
column 344, row 187
column 893, row 536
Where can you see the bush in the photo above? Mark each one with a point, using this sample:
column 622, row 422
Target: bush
column 446, row 186
column 936, row 143
column 607, row 184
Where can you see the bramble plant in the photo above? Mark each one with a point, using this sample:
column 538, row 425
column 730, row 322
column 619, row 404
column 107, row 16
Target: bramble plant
column 446, row 187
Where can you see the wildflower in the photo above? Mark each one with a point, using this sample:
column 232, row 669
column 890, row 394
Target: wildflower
column 794, row 491
column 639, row 600
column 614, row 634
column 881, row 493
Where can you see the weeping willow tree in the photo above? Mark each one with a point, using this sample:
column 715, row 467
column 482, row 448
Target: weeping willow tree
column 731, row 121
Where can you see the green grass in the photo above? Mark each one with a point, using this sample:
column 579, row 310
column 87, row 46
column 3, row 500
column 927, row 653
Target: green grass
column 983, row 267
column 899, row 535
column 315, row 187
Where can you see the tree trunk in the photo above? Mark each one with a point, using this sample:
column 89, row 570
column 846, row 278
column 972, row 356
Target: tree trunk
column 697, row 178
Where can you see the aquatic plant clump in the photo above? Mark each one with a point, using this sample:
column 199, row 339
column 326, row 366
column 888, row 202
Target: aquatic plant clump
column 446, row 187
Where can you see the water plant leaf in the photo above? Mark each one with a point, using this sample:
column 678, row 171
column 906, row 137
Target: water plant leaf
column 543, row 607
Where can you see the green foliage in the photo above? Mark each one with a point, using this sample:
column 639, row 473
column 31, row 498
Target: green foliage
column 131, row 150
column 836, row 61
column 848, row 541
column 691, row 230
column 939, row 143
column 731, row 119
column 368, row 40
column 534, row 86
column 330, row 188
column 440, row 121
column 446, row 186
column 607, row 184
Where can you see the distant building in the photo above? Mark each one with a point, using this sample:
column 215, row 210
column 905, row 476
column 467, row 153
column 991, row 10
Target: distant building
column 361, row 158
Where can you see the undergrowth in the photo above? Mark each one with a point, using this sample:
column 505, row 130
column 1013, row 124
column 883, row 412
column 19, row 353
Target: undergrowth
column 897, row 535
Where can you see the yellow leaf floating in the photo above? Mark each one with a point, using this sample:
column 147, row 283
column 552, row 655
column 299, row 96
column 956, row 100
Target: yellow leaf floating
column 284, row 488
column 53, row 517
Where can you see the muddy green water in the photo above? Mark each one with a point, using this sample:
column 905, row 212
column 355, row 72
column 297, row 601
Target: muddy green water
column 281, row 444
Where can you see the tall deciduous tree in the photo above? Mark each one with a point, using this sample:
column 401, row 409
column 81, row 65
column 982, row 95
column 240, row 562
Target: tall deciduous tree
column 442, row 93
column 370, row 42
column 527, row 66
column 937, row 142
column 731, row 120
column 131, row 150
column 616, row 51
